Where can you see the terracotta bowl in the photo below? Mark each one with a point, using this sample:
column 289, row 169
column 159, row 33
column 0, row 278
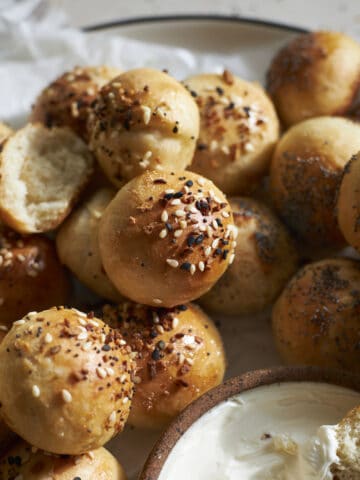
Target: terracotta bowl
column 250, row 380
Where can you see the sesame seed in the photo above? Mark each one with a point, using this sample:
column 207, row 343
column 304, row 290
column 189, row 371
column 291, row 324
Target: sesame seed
column 157, row 300
column 249, row 147
column 207, row 251
column 137, row 380
column 225, row 149
column 225, row 214
column 175, row 322
column 101, row 372
column 192, row 269
column 144, row 163
column 4, row 328
column 48, row 338
column 125, row 400
column 176, row 201
column 163, row 233
column 82, row 336
column 215, row 225
column 231, row 258
column 21, row 257
column 66, row 396
column 160, row 329
column 213, row 145
column 201, row 181
column 156, row 318
column 35, row 391
column 146, row 114
column 164, row 216
column 172, row 262
column 19, row 322
column 180, row 213
column 123, row 378
column 87, row 346
column 110, row 371
column 178, row 233
column 215, row 243
column 112, row 417
column 94, row 323
column 147, row 155
column 82, row 322
column 169, row 191
column 233, row 244
column 201, row 266
column 183, row 223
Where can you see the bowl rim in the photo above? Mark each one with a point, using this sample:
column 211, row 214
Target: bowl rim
column 228, row 389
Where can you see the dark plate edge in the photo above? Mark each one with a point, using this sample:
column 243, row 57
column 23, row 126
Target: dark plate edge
column 189, row 17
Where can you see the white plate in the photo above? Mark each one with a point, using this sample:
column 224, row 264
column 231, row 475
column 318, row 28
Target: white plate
column 188, row 45
column 248, row 341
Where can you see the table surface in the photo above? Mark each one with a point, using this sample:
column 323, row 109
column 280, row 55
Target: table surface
column 343, row 15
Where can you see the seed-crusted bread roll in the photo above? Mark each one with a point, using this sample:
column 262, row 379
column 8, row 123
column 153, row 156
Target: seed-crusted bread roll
column 31, row 276
column 348, row 437
column 316, row 319
column 5, row 132
column 166, row 238
column 143, row 119
column 316, row 74
column 179, row 357
column 265, row 259
column 78, row 246
column 23, row 462
column 42, row 172
column 306, row 171
column 67, row 101
column 65, row 381
column 348, row 202
column 238, row 131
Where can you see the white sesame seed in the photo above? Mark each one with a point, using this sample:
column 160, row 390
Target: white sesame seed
column 146, row 114
column 4, row 328
column 102, row 338
column 125, row 400
column 207, row 251
column 82, row 336
column 21, row 257
column 201, row 181
column 180, row 213
column 183, row 223
column 233, row 244
column 170, row 190
column 213, row 145
column 122, row 341
column 225, row 214
column 209, row 231
column 176, row 201
column 94, row 323
column 157, row 300
column 178, row 233
column 225, row 149
column 66, row 396
column 147, row 155
column 201, row 266
column 82, row 322
column 101, row 372
column 78, row 312
column 181, row 359
column 86, row 347
column 192, row 269
column 144, row 163
column 202, row 228
column 110, row 371
column 48, row 338
column 192, row 209
column 163, row 233
column 123, row 378
column 215, row 243
column 164, row 216
column 112, row 417
column 175, row 322
column 249, row 147
column 156, row 318
column 190, row 361
column 160, row 329
column 215, row 225
column 172, row 262
column 35, row 391
column 231, row 258
column 19, row 322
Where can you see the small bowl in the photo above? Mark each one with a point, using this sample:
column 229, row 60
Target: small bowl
column 234, row 386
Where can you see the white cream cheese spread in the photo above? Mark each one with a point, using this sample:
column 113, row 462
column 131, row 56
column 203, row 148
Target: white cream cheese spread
column 276, row 432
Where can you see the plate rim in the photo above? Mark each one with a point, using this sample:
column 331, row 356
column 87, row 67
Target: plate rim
column 141, row 20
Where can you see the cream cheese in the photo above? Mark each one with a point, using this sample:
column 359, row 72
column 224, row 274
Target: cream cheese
column 276, row 432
